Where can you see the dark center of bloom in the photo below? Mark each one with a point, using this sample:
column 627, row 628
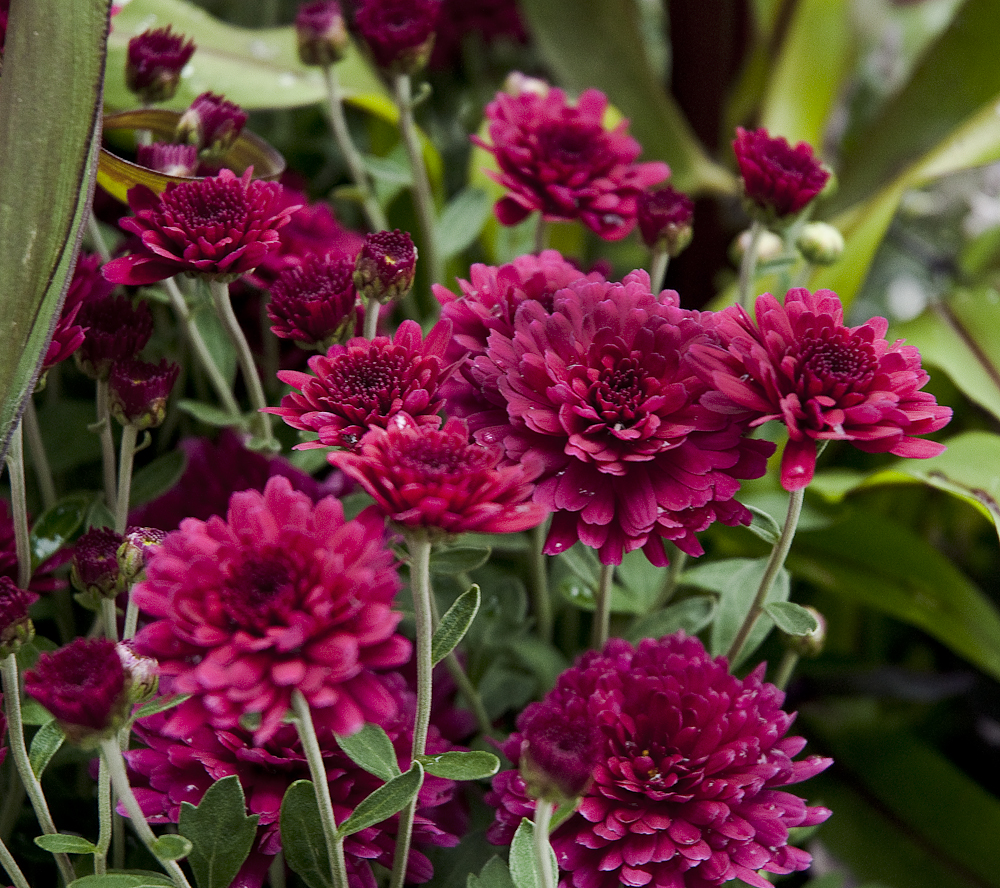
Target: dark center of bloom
column 831, row 362
column 257, row 589
column 223, row 208
column 439, row 455
column 572, row 146
column 369, row 381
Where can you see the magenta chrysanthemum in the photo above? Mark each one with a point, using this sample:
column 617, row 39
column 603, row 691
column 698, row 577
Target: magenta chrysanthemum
column 559, row 159
column 423, row 476
column 218, row 227
column 211, row 124
column 170, row 772
column 799, row 364
column 154, row 63
column 599, row 388
column 399, row 33
column 315, row 302
column 283, row 595
column 15, row 624
column 365, row 384
column 776, row 177
column 320, row 32
column 665, row 216
column 689, row 789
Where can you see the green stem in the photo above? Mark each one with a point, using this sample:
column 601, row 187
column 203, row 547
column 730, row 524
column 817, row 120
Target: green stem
column 372, row 307
column 204, row 356
column 109, row 615
column 321, row 785
column 112, row 754
column 352, row 157
column 541, row 235
column 19, row 507
column 94, row 230
column 12, row 869
column 602, row 610
column 774, row 564
column 19, row 752
column 276, row 871
column 748, row 266
column 125, row 461
column 543, row 854
column 789, row 660
column 39, row 458
column 422, row 197
column 674, row 570
column 658, row 268
column 540, row 597
column 107, row 442
column 224, row 309
column 105, row 815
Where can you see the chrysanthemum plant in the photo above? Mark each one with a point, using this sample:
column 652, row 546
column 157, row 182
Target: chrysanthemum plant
column 393, row 525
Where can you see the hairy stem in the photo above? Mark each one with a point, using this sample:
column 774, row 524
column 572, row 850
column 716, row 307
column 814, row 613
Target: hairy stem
column 11, row 868
column 107, row 442
column 543, row 854
column 540, row 598
column 19, row 507
column 602, row 611
column 39, row 457
column 748, row 265
column 658, row 268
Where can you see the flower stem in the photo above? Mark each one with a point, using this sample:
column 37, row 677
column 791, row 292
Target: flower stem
column 109, row 615
column 125, row 460
column 422, row 197
column 420, row 585
column 541, row 234
column 355, row 165
column 774, row 564
column 15, row 732
column 789, row 660
column 602, row 610
column 674, row 570
column 543, row 855
column 19, row 507
column 112, row 755
column 540, row 582
column 201, row 351
column 39, row 458
column 321, row 785
column 107, row 442
column 12, row 869
column 658, row 269
column 748, row 265
column 371, row 319
column 224, row 309
column 105, row 816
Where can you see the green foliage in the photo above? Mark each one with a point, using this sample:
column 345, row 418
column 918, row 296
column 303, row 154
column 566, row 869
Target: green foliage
column 218, row 832
column 461, row 765
column 523, row 862
column 127, row 879
column 384, row 802
column 44, row 745
column 63, row 844
column 157, row 477
column 371, row 749
column 494, row 874
column 302, row 837
column 55, row 527
column 454, row 624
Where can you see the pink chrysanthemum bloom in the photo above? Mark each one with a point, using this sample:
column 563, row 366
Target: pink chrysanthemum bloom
column 600, row 389
column 315, row 303
column 365, row 384
column 283, row 595
column 170, row 772
column 115, row 330
column 385, row 266
column 826, row 382
column 689, row 789
column 777, row 178
column 211, row 124
column 398, row 33
column 154, row 63
column 172, row 160
column 559, row 159
column 426, row 477
column 83, row 685
column 219, row 227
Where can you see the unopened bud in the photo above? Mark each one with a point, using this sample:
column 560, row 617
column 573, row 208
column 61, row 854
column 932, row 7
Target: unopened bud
column 820, row 243
column 386, row 266
column 136, row 549
column 321, row 33
column 810, row 645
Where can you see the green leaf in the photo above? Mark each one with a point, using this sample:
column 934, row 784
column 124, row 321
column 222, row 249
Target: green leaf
column 219, row 832
column 641, row 578
column 371, row 749
column 217, row 341
column 889, row 568
column 692, row 615
column 792, row 618
column 49, row 135
column 523, row 865
column 171, row 847
column 55, row 527
column 63, row 844
column 384, row 802
column 157, row 477
column 454, row 624
column 129, row 879
column 472, row 765
column 458, row 559
column 764, row 525
column 462, row 220
column 494, row 874
column 63, row 423
column 45, row 744
column 160, row 704
column 208, row 413
column 393, row 169
column 302, row 837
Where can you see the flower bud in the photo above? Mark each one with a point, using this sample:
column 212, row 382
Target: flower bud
column 211, row 124
column 139, row 391
column 171, row 160
column 820, row 243
column 315, row 303
column 136, row 549
column 154, row 63
column 810, row 645
column 664, row 217
column 769, row 246
column 398, row 33
column 94, row 570
column 142, row 673
column 559, row 751
column 386, row 266
column 16, row 628
column 320, row 32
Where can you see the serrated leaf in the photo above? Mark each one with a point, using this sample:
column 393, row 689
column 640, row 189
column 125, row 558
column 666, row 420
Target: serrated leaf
column 160, row 704
column 458, row 559
column 63, row 844
column 462, row 220
column 692, row 615
column 44, row 745
column 494, row 874
column 461, row 765
column 171, row 847
column 208, row 413
column 523, row 863
column 371, row 749
column 454, row 624
column 220, row 832
column 792, row 618
column 55, row 526
column 157, row 477
column 384, row 802
column 302, row 837
column 130, row 879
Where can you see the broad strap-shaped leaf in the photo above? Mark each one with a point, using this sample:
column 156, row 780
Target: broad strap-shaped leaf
column 49, row 133
column 219, row 831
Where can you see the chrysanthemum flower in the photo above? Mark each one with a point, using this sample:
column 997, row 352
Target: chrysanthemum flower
column 689, row 789
column 283, row 595
column 154, row 63
column 87, row 283
column 426, row 477
column 398, row 33
column 170, row 772
column 665, row 216
column 365, row 384
column 315, row 302
column 83, row 685
column 211, row 124
column 826, row 382
column 217, row 227
column 95, row 568
column 115, row 330
column 600, row 389
column 559, row 159
column 385, row 266
column 486, row 21
column 320, row 32
column 15, row 624
column 777, row 178
column 139, row 391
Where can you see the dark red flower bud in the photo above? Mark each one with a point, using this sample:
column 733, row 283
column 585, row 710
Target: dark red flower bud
column 15, row 624
column 211, row 124
column 386, row 265
column 559, row 751
column 399, row 33
column 320, row 32
column 154, row 64
column 314, row 303
column 172, row 160
column 664, row 217
column 139, row 391
column 94, row 569
column 115, row 330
